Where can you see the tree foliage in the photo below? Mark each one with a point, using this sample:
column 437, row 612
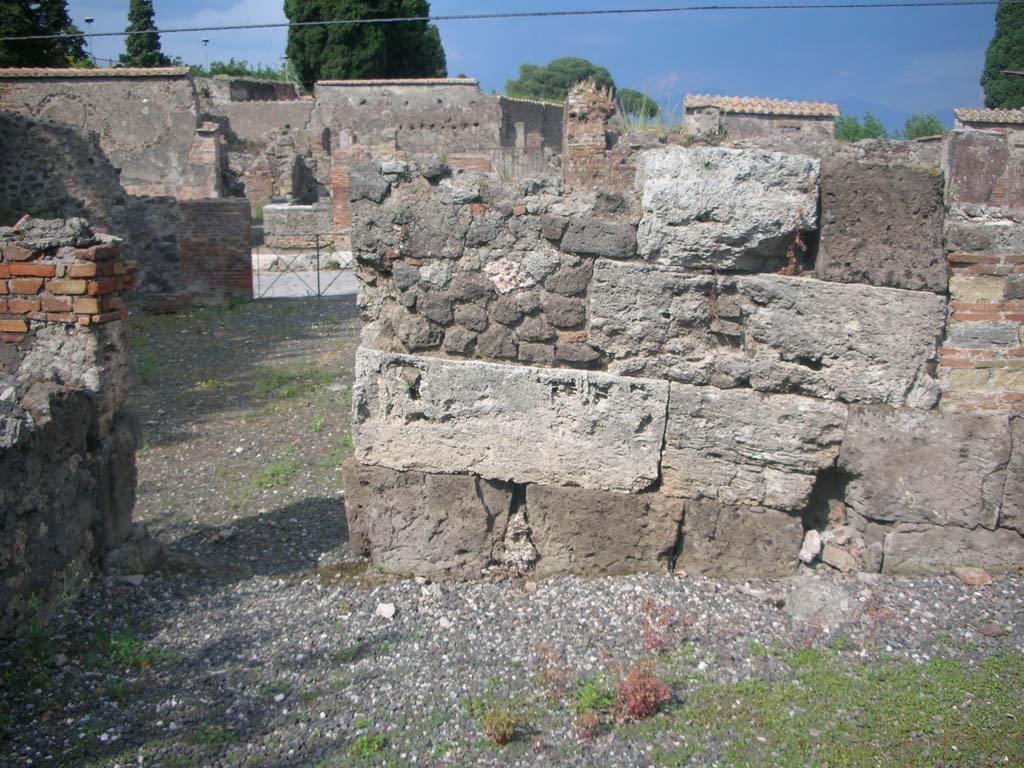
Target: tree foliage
column 922, row 125
column 1005, row 51
column 849, row 128
column 358, row 51
column 552, row 81
column 143, row 50
column 46, row 17
column 235, row 68
column 638, row 104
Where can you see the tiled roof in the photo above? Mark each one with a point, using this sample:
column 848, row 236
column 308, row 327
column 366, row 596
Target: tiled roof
column 990, row 115
column 755, row 106
column 111, row 72
column 405, row 81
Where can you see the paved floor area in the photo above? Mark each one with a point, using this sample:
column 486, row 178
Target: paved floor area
column 278, row 285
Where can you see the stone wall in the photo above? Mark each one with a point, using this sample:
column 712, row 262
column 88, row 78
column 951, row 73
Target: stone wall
column 982, row 362
column 146, row 119
column 50, row 169
column 687, row 369
column 67, row 449
column 296, row 226
column 221, row 89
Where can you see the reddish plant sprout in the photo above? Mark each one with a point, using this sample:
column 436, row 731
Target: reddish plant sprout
column 663, row 626
column 555, row 676
column 639, row 694
column 587, row 724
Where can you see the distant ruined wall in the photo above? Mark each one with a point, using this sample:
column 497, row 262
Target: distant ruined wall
column 687, row 370
column 67, row 449
column 146, row 120
column 49, row 170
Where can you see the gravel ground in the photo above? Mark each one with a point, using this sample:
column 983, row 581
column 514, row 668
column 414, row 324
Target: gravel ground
column 274, row 648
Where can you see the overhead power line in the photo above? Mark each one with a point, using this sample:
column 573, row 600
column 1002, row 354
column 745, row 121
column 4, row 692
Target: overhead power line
column 541, row 14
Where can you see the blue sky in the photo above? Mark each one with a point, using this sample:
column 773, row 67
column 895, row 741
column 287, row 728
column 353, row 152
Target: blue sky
column 890, row 61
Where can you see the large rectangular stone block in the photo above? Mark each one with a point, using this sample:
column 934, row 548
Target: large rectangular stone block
column 598, row 532
column 739, row 542
column 528, row 425
column 912, row 549
column 882, row 225
column 932, row 467
column 718, row 208
column 744, row 447
column 855, row 343
column 425, row 524
column 1012, row 512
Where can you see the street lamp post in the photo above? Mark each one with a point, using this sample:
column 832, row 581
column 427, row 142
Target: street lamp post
column 206, row 56
column 92, row 55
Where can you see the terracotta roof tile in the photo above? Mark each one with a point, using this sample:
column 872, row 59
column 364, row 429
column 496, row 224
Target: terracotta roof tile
column 405, row 81
column 756, row 106
column 108, row 72
column 990, row 115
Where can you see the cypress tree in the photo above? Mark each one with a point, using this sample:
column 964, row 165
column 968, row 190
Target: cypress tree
column 143, row 50
column 363, row 51
column 1005, row 51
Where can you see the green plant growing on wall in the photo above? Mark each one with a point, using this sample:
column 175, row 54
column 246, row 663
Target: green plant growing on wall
column 143, row 50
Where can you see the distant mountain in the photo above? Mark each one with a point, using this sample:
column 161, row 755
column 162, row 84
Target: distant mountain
column 892, row 119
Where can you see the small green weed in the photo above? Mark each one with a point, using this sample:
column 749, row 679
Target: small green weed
column 217, row 736
column 594, row 694
column 368, row 746
column 288, row 381
column 278, row 474
column 125, row 649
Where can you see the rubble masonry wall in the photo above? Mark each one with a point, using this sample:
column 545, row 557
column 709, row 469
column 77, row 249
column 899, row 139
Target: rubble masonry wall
column 687, row 370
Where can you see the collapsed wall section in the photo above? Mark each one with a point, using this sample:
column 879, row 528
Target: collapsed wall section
column 67, row 448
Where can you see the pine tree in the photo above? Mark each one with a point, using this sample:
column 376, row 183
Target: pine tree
column 46, row 17
column 143, row 50
column 1005, row 51
column 357, row 51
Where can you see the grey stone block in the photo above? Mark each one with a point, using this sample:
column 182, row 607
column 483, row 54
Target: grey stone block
column 570, row 281
column 739, row 542
column 910, row 466
column 599, row 237
column 596, row 532
column 496, row 343
column 529, row 425
column 735, row 209
column 882, row 225
column 912, row 549
column 854, row 343
column 743, row 447
column 1012, row 514
column 983, row 335
column 426, row 524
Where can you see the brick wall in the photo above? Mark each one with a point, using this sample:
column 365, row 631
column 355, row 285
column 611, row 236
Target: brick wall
column 982, row 357
column 82, row 286
column 214, row 248
column 67, row 448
